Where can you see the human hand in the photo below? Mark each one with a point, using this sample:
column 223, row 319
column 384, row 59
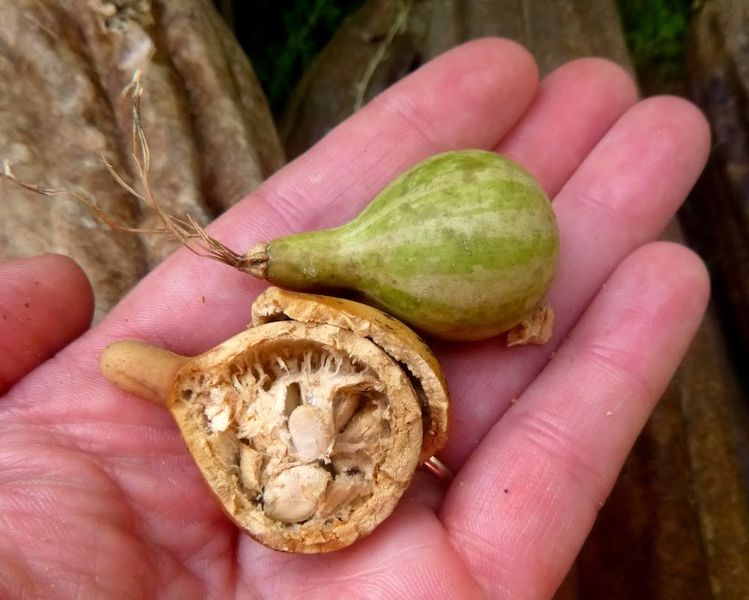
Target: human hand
column 99, row 496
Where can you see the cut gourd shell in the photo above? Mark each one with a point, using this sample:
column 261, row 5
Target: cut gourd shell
column 309, row 425
column 395, row 338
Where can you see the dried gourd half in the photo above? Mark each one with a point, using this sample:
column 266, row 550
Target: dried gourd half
column 307, row 426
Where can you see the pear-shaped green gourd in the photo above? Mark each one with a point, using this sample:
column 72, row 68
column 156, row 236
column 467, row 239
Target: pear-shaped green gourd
column 462, row 246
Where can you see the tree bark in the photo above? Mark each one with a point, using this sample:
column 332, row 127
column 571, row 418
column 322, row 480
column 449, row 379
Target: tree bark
column 386, row 39
column 64, row 65
column 717, row 217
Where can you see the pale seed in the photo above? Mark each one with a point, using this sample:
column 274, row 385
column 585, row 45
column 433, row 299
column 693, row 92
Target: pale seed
column 310, row 432
column 294, row 494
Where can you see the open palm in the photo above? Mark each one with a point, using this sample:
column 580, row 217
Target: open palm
column 100, row 498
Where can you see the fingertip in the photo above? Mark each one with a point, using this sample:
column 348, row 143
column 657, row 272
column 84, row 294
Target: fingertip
column 61, row 271
column 501, row 51
column 65, row 282
column 600, row 73
column 680, row 269
column 46, row 301
column 576, row 105
column 681, row 121
column 470, row 95
column 497, row 61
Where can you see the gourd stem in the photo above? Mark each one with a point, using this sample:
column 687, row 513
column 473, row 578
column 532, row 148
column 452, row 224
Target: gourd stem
column 255, row 261
column 141, row 369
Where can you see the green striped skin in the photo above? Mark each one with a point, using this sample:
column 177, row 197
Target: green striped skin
column 462, row 246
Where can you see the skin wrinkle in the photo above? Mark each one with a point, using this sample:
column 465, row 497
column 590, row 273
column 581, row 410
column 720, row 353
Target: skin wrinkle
column 164, row 441
column 40, row 437
column 405, row 111
column 205, row 562
column 608, row 360
column 337, row 206
column 283, row 208
column 33, row 292
column 14, row 571
column 133, row 501
column 597, row 203
column 378, row 579
column 70, row 415
column 471, row 541
column 383, row 568
column 82, row 575
column 546, row 434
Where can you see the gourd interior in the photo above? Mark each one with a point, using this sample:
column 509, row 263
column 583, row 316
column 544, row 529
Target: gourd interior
column 307, row 433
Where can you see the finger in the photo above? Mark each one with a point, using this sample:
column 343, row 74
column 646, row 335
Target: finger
column 576, row 105
column 468, row 97
column 620, row 197
column 45, row 302
column 524, row 502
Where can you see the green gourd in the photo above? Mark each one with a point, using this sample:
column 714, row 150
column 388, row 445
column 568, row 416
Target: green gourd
column 461, row 246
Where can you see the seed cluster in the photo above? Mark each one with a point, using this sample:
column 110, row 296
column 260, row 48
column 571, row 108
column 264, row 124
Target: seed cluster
column 309, row 427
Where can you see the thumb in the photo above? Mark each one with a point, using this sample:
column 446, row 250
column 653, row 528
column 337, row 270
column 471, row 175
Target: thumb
column 45, row 302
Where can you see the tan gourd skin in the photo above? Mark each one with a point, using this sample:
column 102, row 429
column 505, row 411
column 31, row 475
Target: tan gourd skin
column 309, row 425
